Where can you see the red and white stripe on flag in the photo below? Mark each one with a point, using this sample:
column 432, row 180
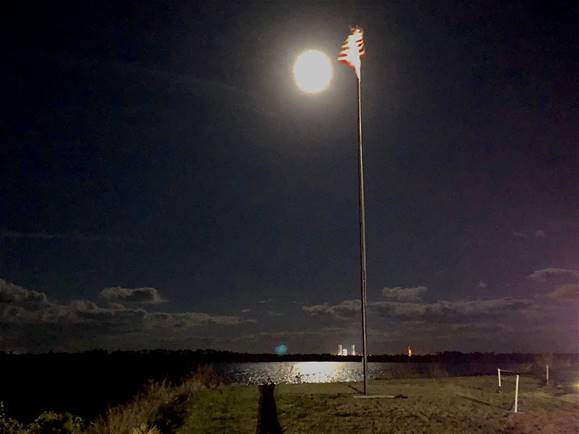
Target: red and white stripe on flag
column 353, row 50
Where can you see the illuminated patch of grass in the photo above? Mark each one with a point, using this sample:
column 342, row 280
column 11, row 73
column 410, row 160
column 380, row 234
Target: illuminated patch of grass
column 446, row 405
column 231, row 409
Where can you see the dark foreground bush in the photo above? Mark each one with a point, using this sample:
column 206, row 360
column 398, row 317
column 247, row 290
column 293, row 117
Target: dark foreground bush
column 47, row 423
column 56, row 423
column 7, row 425
column 160, row 408
column 207, row 376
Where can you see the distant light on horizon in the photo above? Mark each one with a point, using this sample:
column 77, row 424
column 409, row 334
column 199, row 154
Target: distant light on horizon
column 281, row 349
column 313, row 71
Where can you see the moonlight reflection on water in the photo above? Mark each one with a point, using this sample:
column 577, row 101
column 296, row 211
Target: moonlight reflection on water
column 317, row 372
column 334, row 372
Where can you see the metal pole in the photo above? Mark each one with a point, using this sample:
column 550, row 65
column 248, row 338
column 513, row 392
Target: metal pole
column 362, row 215
column 517, row 394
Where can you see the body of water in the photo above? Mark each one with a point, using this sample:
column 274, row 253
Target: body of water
column 330, row 372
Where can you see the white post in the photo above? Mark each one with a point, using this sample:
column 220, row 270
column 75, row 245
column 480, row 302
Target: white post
column 547, row 374
column 499, row 376
column 517, row 394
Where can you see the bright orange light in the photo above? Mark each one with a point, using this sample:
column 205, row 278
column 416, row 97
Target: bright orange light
column 409, row 351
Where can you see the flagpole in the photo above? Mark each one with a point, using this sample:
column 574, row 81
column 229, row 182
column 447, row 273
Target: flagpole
column 362, row 216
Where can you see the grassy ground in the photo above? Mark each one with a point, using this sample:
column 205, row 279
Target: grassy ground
column 449, row 405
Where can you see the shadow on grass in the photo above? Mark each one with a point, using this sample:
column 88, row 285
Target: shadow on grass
column 478, row 401
column 355, row 389
column 267, row 420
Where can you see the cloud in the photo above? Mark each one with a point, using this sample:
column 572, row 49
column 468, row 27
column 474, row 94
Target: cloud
column 192, row 319
column 400, row 311
column 502, row 324
column 459, row 311
column 132, row 295
column 554, row 275
column 245, row 310
column 30, row 321
column 567, row 292
column 274, row 314
column 264, row 301
column 482, row 284
column 76, row 312
column 404, row 294
column 344, row 310
column 442, row 311
column 13, row 294
column 540, row 234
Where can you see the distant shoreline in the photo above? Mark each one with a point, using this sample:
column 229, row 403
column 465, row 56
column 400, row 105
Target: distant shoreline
column 216, row 356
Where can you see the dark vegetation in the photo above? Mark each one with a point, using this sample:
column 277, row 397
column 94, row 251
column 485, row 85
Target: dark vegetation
column 84, row 384
column 87, row 384
column 159, row 408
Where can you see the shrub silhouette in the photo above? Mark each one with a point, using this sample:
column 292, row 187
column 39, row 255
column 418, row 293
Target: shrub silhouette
column 56, row 423
column 7, row 425
column 170, row 416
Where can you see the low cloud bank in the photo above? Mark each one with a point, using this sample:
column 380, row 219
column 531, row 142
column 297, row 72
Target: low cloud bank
column 132, row 295
column 31, row 321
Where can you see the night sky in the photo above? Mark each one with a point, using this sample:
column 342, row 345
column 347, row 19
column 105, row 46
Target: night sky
column 165, row 184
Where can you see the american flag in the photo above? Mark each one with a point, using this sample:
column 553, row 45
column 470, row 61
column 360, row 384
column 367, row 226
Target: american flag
column 353, row 50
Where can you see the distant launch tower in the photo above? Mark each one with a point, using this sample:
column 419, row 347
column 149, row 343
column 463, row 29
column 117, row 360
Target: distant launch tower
column 343, row 351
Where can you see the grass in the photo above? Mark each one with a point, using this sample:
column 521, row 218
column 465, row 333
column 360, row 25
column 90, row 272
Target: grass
column 230, row 409
column 161, row 408
column 428, row 405
column 447, row 405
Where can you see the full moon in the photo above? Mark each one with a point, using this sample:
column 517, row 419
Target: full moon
column 313, row 71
